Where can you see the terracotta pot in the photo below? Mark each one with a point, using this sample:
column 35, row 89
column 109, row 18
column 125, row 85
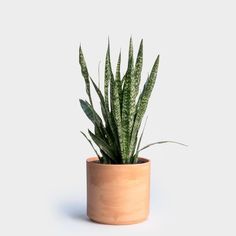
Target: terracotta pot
column 118, row 194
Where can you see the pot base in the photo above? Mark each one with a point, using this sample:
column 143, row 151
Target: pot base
column 118, row 223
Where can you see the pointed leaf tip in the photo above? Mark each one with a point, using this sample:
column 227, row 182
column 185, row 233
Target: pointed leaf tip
column 108, row 44
column 80, row 48
column 131, row 42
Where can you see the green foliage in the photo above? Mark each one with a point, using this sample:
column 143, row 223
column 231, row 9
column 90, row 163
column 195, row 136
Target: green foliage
column 122, row 108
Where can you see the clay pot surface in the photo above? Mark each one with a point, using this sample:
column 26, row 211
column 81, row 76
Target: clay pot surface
column 118, row 194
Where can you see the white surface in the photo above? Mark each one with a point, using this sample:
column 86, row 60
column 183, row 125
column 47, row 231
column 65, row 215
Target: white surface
column 42, row 167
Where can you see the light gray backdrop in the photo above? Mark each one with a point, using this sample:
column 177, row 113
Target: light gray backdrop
column 42, row 168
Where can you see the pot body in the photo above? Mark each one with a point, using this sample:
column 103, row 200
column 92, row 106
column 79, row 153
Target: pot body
column 118, row 194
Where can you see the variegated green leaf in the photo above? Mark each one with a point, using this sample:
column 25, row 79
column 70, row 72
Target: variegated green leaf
column 117, row 117
column 131, row 53
column 111, row 94
column 85, row 74
column 128, row 105
column 130, row 62
column 138, row 68
column 108, row 76
column 118, row 68
column 143, row 101
column 118, row 79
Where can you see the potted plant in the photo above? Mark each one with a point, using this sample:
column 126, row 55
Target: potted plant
column 118, row 180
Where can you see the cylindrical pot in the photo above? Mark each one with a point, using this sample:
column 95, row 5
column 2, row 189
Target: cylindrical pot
column 118, row 194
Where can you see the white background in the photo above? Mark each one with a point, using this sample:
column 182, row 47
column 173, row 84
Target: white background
column 42, row 153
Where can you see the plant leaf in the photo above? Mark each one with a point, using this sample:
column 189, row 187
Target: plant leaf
column 110, row 131
column 131, row 53
column 139, row 142
column 91, row 145
column 103, row 146
column 108, row 76
column 118, row 80
column 161, row 142
column 143, row 101
column 85, row 74
column 138, row 68
column 128, row 104
column 117, row 117
column 105, row 158
column 102, row 100
column 94, row 117
column 110, row 125
column 105, row 112
column 90, row 112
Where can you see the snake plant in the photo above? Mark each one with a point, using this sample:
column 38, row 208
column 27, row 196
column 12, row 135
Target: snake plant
column 122, row 107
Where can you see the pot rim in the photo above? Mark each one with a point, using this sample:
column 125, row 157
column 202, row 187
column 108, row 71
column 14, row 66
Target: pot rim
column 91, row 161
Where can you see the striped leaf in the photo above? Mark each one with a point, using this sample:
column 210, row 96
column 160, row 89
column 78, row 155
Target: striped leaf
column 138, row 68
column 143, row 101
column 111, row 94
column 85, row 74
column 118, row 79
column 131, row 53
column 117, row 117
column 108, row 76
column 128, row 104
